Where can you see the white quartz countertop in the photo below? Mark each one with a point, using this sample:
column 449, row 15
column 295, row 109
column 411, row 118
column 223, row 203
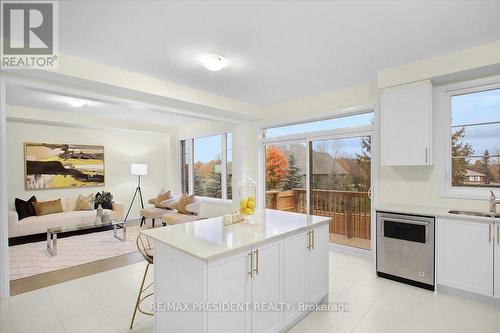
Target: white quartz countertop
column 209, row 238
column 432, row 211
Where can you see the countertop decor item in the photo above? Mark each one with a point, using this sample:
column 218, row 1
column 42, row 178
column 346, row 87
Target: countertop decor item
column 247, row 190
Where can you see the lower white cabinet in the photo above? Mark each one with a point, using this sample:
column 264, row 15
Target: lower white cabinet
column 295, row 270
column 497, row 260
column 292, row 270
column 465, row 255
column 266, row 287
column 318, row 264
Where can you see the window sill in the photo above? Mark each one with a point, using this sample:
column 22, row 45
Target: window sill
column 217, row 201
column 469, row 193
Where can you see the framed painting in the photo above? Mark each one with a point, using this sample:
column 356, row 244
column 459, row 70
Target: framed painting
column 49, row 166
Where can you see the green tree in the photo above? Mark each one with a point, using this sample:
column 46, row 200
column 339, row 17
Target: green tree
column 213, row 185
column 198, row 186
column 459, row 152
column 293, row 178
column 363, row 161
column 485, row 167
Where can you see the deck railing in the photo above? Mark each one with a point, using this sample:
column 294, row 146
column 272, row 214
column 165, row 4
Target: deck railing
column 350, row 211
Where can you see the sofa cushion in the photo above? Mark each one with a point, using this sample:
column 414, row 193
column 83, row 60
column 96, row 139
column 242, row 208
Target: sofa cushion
column 85, row 202
column 40, row 224
column 48, row 207
column 184, row 201
column 153, row 212
column 162, row 196
column 25, row 208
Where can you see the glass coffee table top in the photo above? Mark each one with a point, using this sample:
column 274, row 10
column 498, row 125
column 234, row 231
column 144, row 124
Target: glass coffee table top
column 53, row 232
column 83, row 226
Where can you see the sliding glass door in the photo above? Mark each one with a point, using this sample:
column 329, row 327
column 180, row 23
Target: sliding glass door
column 340, row 184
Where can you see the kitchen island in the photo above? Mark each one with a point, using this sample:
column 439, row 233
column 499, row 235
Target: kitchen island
column 257, row 278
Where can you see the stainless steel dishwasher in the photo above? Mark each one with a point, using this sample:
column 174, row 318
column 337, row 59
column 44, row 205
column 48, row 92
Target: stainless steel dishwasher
column 405, row 248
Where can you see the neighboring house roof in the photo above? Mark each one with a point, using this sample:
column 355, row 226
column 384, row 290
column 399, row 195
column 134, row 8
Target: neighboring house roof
column 323, row 163
column 474, row 173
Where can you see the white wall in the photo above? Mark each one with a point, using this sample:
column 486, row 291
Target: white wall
column 121, row 148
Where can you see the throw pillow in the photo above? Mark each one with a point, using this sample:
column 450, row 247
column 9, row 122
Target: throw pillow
column 184, row 201
column 25, row 209
column 85, row 203
column 48, row 207
column 107, row 203
column 162, row 196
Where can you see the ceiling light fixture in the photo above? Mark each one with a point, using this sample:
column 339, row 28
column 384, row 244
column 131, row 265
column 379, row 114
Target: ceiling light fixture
column 213, row 62
column 77, row 103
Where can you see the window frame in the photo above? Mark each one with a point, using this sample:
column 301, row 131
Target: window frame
column 190, row 159
column 444, row 94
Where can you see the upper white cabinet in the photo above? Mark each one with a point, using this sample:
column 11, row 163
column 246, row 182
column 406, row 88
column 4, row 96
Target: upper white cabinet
column 406, row 124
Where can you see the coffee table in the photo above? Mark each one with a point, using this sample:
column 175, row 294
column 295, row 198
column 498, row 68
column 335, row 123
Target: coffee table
column 53, row 232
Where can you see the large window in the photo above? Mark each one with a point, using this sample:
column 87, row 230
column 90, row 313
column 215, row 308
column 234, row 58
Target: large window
column 475, row 139
column 323, row 168
column 206, row 166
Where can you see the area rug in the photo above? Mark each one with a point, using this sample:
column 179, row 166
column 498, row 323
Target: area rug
column 33, row 258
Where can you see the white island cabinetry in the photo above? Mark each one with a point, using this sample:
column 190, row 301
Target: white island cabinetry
column 261, row 267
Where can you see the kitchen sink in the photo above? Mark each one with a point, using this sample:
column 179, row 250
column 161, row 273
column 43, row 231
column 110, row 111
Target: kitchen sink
column 480, row 214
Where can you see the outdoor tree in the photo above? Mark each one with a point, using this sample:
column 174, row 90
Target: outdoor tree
column 293, row 178
column 213, row 184
column 459, row 151
column 485, row 167
column 363, row 161
column 198, row 186
column 276, row 168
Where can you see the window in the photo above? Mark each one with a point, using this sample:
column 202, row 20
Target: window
column 357, row 120
column 475, row 139
column 208, row 173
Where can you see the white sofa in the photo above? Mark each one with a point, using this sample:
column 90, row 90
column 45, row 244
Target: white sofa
column 39, row 224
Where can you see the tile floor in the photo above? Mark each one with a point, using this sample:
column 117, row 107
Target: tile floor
column 104, row 302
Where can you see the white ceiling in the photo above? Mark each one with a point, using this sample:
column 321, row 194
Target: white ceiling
column 95, row 109
column 277, row 51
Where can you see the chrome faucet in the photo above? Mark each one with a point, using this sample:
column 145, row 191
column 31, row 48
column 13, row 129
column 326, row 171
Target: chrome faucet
column 493, row 202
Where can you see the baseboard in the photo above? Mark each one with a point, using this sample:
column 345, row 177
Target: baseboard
column 351, row 250
column 467, row 295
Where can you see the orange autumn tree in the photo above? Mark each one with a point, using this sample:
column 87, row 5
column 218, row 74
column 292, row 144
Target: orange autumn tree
column 276, row 167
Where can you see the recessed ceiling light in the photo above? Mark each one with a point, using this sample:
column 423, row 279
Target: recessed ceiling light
column 77, row 103
column 213, row 62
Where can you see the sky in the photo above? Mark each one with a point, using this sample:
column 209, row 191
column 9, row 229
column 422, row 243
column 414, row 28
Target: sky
column 474, row 108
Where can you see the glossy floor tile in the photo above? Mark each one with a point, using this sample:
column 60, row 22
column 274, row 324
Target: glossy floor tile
column 104, row 303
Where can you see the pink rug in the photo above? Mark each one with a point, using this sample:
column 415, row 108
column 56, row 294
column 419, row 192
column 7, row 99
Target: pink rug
column 33, row 258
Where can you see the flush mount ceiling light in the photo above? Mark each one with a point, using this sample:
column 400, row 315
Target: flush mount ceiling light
column 76, row 103
column 213, row 62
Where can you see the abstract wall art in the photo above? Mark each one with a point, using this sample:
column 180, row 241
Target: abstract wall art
column 49, row 166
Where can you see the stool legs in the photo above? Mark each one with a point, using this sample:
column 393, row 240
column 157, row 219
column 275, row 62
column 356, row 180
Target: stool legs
column 143, row 220
column 140, row 299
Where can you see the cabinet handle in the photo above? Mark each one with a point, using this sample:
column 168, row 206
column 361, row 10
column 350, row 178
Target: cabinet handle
column 489, row 233
column 256, row 270
column 426, row 155
column 312, row 237
column 250, row 264
column 498, row 234
column 309, row 240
